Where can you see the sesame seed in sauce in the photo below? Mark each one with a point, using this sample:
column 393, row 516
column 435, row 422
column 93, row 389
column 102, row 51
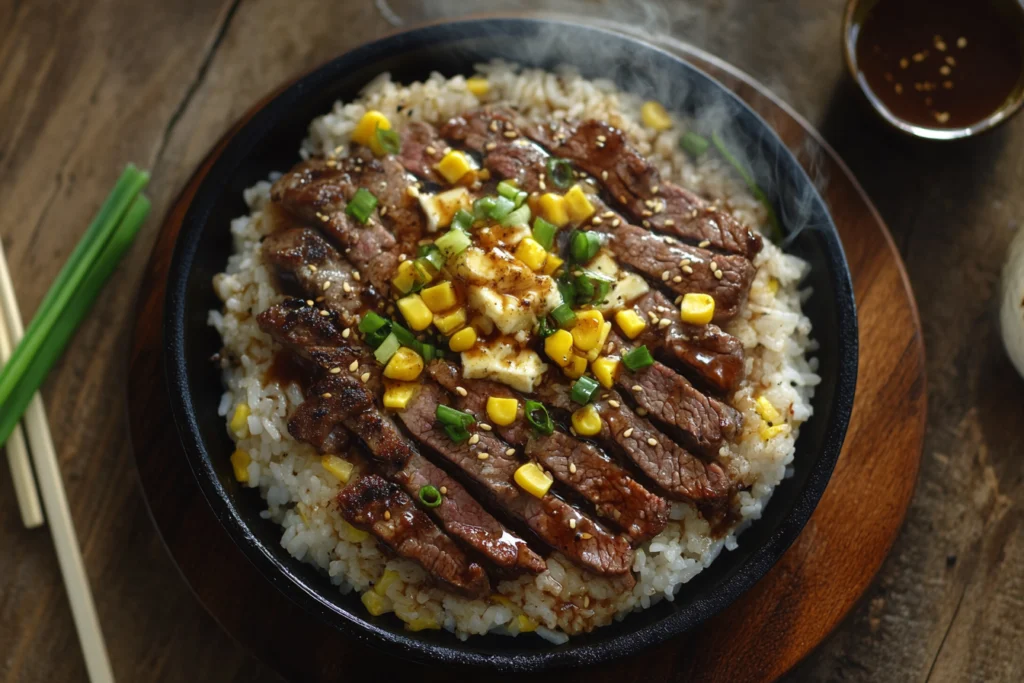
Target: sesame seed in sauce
column 596, row 220
column 718, row 275
column 354, row 366
column 346, row 332
column 585, row 536
column 443, row 490
column 387, row 514
column 586, row 601
column 604, row 175
column 677, row 279
column 616, row 223
column 365, row 377
column 309, row 302
column 312, row 268
column 642, row 412
column 669, row 222
column 482, row 456
column 664, row 322
column 475, row 439
column 319, row 299
column 510, row 451
column 704, row 243
column 654, row 189
column 412, row 191
column 384, row 211
column 325, row 313
column 614, row 404
column 961, row 42
column 646, row 223
column 637, row 387
column 431, row 151
column 486, row 427
column 665, row 275
column 346, row 287
column 652, row 441
column 628, row 433
column 688, row 270
column 511, row 134
column 335, row 370
column 572, row 523
column 326, row 394
column 461, row 391
column 356, row 276
column 327, row 285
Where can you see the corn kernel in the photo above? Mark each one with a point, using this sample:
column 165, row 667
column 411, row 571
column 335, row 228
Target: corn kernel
column 240, row 420
column 552, row 264
column 405, row 365
column 552, row 208
column 526, row 624
column 398, row 395
column 502, row 411
column 463, row 340
column 578, row 205
column 376, row 604
column 586, row 333
column 453, row 166
column 767, row 411
column 388, row 578
column 478, row 85
column 240, row 463
column 768, row 433
column 576, row 367
column 532, row 479
column 697, row 309
column 422, row 624
column 365, row 132
column 415, row 312
column 405, row 278
column 558, row 347
column 499, row 599
column 630, row 323
column 440, row 297
column 586, row 421
column 593, row 353
column 654, row 116
column 351, row 534
column 531, row 253
column 450, row 322
column 605, row 370
column 341, row 469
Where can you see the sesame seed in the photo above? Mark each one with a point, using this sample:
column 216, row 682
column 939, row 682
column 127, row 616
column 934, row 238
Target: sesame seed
column 387, row 514
column 677, row 279
column 482, row 456
column 622, row 197
column 628, row 433
column 335, row 370
column 494, row 126
column 664, row 322
column 365, row 377
column 586, row 601
column 704, row 243
column 604, row 175
column 356, row 276
column 543, row 185
column 327, row 285
column 510, row 134
column 654, row 189
column 431, row 150
column 718, row 275
column 653, row 316
column 412, row 191
column 461, row 391
column 642, row 412
column 688, row 270
column 402, row 258
column 510, row 451
column 312, row 268
column 585, row 536
column 614, row 404
column 652, row 441
column 443, row 490
column 714, row 266
column 684, row 262
column 669, row 222
column 646, row 223
column 572, row 523
column 309, row 302
column 572, row 467
column 596, row 220
column 475, row 439
column 346, row 332
column 608, row 214
column 326, row 394
column 354, row 366
column 665, row 275
column 961, row 42
column 486, row 427
column 384, row 211
column 325, row 313
column 346, row 287
column 616, row 223
column 319, row 299
column 637, row 387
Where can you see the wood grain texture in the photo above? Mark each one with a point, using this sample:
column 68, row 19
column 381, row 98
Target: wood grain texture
column 89, row 86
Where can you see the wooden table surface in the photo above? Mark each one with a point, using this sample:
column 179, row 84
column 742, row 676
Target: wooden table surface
column 89, row 86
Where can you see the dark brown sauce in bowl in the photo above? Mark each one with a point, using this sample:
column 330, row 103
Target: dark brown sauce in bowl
column 946, row 65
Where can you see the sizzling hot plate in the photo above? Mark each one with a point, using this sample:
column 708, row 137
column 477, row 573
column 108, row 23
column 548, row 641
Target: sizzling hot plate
column 269, row 142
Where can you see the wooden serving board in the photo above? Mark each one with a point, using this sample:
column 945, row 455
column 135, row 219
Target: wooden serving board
column 760, row 637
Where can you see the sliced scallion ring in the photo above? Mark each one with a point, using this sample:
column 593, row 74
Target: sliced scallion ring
column 638, row 358
column 583, row 390
column 430, row 496
column 538, row 417
column 388, row 140
column 362, row 205
column 559, row 172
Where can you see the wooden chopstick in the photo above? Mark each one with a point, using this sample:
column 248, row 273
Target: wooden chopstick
column 17, row 450
column 55, row 502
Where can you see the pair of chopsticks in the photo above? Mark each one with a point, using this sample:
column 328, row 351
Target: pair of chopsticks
column 28, row 357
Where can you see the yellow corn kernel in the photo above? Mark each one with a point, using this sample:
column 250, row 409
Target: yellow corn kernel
column 463, row 340
column 768, row 433
column 630, row 323
column 447, row 324
column 342, row 469
column 531, row 253
column 388, row 578
column 422, row 624
column 405, row 278
column 552, row 264
column 398, row 395
column 405, row 365
column 376, row 604
column 773, row 285
column 654, row 116
column 240, row 463
column 578, row 205
column 499, row 599
column 416, row 312
column 453, row 166
column 552, row 208
column 605, row 370
column 351, row 534
column 576, row 367
column 502, row 411
column 526, row 624
column 240, row 420
column 440, row 297
column 593, row 353
column 482, row 324
column 365, row 132
column 478, row 85
column 586, row 333
column 531, row 478
column 767, row 411
column 558, row 347
column 697, row 309
column 586, row 421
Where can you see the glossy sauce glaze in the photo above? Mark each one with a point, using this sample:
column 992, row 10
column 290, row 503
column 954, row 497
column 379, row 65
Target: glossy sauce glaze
column 941, row 63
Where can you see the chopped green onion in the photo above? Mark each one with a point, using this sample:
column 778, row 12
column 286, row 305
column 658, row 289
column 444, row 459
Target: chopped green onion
column 544, row 329
column 592, row 287
column 455, row 422
column 372, row 322
column 693, row 144
column 538, row 417
column 564, row 315
column 429, row 352
column 494, row 208
column 362, row 205
column 377, row 337
column 387, row 348
column 567, row 288
column 584, row 245
column 430, row 496
column 583, row 390
column 520, row 216
column 425, row 271
column 463, row 220
column 456, row 433
column 638, row 358
column 453, row 242
column 508, row 190
column 559, row 172
column 755, row 189
column 405, row 337
column 432, row 255
column 544, row 233
column 388, row 140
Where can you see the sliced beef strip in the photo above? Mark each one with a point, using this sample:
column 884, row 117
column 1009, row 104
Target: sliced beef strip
column 398, row 208
column 376, row 505
column 604, row 152
column 715, row 356
column 422, row 148
column 518, row 159
column 317, row 192
column 705, row 422
column 346, row 399
column 585, row 542
column 582, row 467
